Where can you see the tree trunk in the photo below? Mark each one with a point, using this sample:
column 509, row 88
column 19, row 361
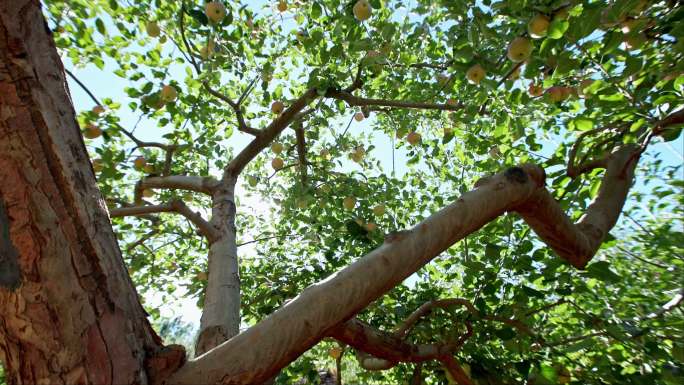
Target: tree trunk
column 221, row 315
column 70, row 314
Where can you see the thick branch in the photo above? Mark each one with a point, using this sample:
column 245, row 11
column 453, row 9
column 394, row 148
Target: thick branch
column 577, row 243
column 261, row 351
column 199, row 184
column 455, row 370
column 357, row 101
column 256, row 354
column 269, row 133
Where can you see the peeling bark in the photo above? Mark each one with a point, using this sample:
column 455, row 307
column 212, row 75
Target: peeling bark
column 75, row 317
column 259, row 352
column 221, row 314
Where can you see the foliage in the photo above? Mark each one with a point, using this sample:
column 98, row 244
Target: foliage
column 619, row 64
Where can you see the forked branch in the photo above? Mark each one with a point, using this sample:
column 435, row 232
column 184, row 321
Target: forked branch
column 177, row 206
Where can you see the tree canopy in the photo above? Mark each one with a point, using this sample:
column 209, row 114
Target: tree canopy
column 401, row 106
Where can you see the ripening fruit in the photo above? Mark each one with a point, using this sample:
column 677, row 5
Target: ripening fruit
column 277, row 107
column 202, row 276
column 362, row 10
column 282, row 6
column 326, row 188
column 98, row 110
column 413, row 138
column 335, row 352
column 207, row 50
column 475, row 74
column 358, row 154
column 538, row 26
column 519, row 49
column 168, row 94
column 494, row 152
column 139, row 163
column 92, row 131
column 556, row 94
column 147, row 193
column 370, row 226
column 349, row 202
column 325, row 154
column 98, row 166
column 215, row 11
column 302, row 202
column 252, row 180
column 277, row 148
column 379, row 210
column 358, row 116
column 152, row 29
column 277, row 163
column 535, row 90
column 149, row 168
column 451, row 102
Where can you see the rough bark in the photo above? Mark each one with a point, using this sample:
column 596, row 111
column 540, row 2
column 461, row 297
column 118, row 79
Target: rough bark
column 70, row 314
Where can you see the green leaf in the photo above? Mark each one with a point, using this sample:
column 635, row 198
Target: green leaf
column 601, row 271
column 557, row 28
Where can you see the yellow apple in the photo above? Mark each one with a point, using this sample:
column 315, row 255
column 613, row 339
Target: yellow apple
column 277, row 148
column 168, row 94
column 277, row 107
column 282, row 6
column 362, row 10
column 139, row 163
column 207, row 50
column 475, row 74
column 98, row 110
column 494, row 152
column 277, row 163
column 152, row 29
column 538, row 26
column 379, row 210
column 325, row 154
column 358, row 116
column 92, row 131
column 215, row 11
column 98, row 166
column 413, row 138
column 147, row 193
column 349, row 202
column 519, row 49
column 335, row 352
column 149, row 168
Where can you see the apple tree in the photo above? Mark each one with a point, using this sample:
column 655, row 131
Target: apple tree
column 365, row 191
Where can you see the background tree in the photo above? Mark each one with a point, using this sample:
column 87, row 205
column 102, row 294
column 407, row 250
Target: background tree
column 339, row 125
